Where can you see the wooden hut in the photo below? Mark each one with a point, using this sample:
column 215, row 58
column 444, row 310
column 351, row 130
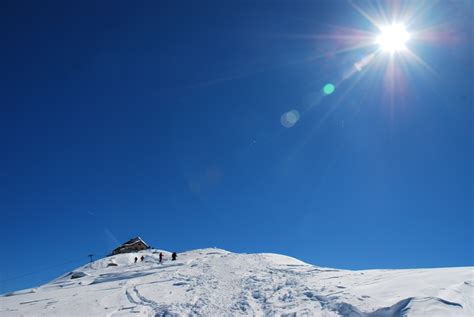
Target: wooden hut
column 132, row 245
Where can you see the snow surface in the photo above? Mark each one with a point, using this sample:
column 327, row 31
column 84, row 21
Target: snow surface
column 214, row 282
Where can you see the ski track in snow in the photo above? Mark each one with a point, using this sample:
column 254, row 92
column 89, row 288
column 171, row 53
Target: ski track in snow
column 214, row 282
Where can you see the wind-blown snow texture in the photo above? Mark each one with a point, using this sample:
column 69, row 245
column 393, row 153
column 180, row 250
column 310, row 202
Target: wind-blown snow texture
column 214, row 282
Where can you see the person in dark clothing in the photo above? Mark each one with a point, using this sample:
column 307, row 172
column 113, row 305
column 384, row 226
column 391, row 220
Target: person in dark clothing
column 161, row 257
column 142, row 258
column 136, row 259
column 173, row 256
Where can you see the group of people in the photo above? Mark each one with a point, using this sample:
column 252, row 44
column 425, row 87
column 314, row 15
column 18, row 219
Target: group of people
column 174, row 256
column 141, row 259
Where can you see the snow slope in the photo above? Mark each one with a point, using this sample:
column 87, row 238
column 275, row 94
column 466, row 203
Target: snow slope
column 214, row 282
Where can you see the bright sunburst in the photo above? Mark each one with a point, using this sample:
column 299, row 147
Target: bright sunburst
column 387, row 47
column 383, row 52
column 393, row 38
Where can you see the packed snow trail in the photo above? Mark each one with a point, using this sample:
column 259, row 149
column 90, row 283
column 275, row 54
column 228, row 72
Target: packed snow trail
column 214, row 282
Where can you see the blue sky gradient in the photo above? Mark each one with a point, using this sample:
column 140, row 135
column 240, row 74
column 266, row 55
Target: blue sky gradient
column 163, row 120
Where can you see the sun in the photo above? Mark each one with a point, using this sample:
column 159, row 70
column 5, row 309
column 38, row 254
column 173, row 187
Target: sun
column 393, row 38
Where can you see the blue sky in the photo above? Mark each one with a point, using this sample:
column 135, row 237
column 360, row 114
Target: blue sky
column 163, row 119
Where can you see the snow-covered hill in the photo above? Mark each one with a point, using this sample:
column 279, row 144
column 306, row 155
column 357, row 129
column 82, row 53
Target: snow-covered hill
column 214, row 282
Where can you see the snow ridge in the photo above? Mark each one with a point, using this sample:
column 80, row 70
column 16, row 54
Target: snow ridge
column 214, row 282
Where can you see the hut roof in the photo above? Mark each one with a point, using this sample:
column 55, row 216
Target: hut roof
column 134, row 241
column 131, row 246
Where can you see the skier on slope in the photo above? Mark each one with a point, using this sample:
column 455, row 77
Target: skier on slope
column 142, row 258
column 173, row 256
column 161, row 257
column 136, row 259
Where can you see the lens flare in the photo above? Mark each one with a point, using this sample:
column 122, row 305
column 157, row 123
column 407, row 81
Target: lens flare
column 328, row 89
column 290, row 118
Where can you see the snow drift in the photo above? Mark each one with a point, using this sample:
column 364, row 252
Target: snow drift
column 214, row 282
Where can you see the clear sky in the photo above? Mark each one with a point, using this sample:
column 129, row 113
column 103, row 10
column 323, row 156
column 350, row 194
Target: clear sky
column 199, row 124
